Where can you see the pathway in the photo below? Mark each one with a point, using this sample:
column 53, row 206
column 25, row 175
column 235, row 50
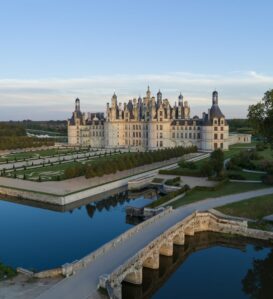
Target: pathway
column 83, row 284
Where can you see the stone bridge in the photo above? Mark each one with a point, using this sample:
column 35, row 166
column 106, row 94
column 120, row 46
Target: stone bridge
column 123, row 258
column 148, row 257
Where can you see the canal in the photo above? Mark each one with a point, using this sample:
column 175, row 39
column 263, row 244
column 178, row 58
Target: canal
column 38, row 236
column 210, row 265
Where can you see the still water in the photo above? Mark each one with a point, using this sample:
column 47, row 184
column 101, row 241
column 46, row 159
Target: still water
column 210, row 266
column 37, row 238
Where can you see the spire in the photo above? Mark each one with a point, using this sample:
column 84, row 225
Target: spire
column 215, row 98
column 148, row 93
column 77, row 104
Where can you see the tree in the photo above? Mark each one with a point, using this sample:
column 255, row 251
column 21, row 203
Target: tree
column 260, row 116
column 217, row 161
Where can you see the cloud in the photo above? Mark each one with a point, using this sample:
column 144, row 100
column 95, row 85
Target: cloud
column 57, row 94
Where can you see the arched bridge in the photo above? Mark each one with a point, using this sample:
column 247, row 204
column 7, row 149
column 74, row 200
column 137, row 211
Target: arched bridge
column 124, row 257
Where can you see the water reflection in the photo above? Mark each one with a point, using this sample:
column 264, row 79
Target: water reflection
column 258, row 282
column 42, row 236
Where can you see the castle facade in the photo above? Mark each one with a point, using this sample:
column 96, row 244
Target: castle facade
column 151, row 123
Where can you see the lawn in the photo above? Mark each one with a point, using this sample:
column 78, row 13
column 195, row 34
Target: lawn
column 254, row 208
column 247, row 175
column 226, row 189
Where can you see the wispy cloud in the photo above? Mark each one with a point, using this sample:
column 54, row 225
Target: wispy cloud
column 57, row 94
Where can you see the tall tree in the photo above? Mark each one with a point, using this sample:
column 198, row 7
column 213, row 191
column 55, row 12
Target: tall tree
column 261, row 116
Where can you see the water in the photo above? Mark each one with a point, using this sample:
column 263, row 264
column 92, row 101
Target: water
column 210, row 266
column 37, row 238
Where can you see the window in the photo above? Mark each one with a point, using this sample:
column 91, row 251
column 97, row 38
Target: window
column 222, row 129
column 215, row 145
column 160, row 113
column 215, row 128
column 222, row 145
column 215, row 122
column 181, row 135
column 215, row 136
column 173, row 135
column 190, row 135
column 161, row 143
column 222, row 136
column 161, row 127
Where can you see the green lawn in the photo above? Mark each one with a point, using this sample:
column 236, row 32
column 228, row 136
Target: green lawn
column 226, row 189
column 254, row 208
column 247, row 175
column 267, row 154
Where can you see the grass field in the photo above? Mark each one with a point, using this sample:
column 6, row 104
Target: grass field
column 226, row 189
column 247, row 175
column 254, row 208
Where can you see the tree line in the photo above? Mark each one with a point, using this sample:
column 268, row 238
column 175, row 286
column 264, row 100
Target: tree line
column 125, row 161
column 19, row 142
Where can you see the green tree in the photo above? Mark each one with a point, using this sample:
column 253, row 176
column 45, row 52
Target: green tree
column 260, row 116
column 217, row 161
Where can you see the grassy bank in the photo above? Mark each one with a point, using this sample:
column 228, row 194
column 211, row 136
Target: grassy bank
column 254, row 208
column 201, row 193
column 6, row 272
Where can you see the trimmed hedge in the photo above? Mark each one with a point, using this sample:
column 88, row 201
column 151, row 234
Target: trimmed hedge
column 112, row 164
column 169, row 196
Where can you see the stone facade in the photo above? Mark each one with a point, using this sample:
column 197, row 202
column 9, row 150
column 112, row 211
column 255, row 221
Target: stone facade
column 149, row 123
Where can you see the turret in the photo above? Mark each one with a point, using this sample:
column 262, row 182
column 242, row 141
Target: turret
column 114, row 100
column 77, row 105
column 215, row 98
column 148, row 93
column 159, row 97
column 180, row 100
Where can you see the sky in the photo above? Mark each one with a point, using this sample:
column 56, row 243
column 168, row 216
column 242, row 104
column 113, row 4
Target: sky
column 52, row 51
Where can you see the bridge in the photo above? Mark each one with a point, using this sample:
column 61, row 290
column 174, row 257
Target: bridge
column 123, row 258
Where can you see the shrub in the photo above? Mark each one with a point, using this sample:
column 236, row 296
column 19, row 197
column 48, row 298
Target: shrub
column 236, row 176
column 173, row 182
column 268, row 179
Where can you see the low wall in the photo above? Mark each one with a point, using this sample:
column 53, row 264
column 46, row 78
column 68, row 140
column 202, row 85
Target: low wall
column 27, row 194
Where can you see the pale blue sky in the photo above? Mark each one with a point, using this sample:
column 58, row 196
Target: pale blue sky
column 54, row 50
